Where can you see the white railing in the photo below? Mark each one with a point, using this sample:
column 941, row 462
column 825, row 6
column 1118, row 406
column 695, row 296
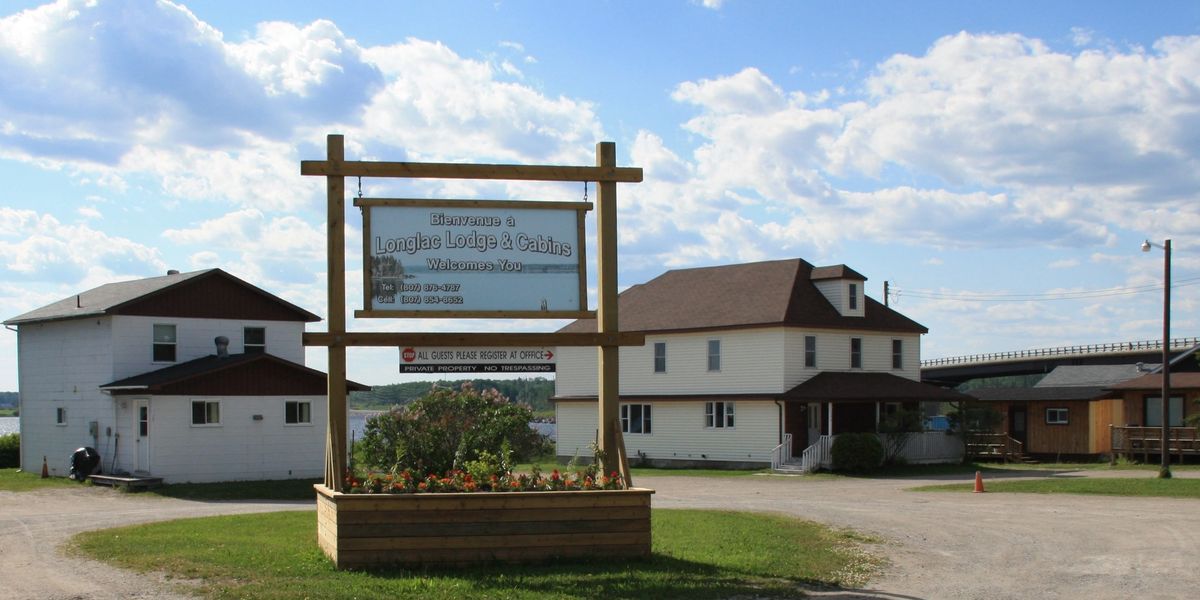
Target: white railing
column 817, row 456
column 782, row 452
column 1111, row 348
column 933, row 447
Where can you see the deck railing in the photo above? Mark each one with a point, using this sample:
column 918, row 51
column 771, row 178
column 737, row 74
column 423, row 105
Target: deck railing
column 994, row 445
column 817, row 456
column 1134, row 440
column 781, row 453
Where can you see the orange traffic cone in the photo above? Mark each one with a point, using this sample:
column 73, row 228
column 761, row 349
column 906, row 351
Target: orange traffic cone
column 978, row 482
column 45, row 469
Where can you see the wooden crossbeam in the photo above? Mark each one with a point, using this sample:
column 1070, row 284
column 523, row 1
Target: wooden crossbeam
column 382, row 339
column 361, row 168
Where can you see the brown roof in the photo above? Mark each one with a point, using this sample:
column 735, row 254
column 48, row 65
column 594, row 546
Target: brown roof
column 232, row 375
column 1153, row 381
column 831, row 386
column 836, row 272
column 778, row 292
column 211, row 293
column 1034, row 394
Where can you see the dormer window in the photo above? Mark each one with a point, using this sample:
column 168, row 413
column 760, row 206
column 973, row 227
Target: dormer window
column 853, row 296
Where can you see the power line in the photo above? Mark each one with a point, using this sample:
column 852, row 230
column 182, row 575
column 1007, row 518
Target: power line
column 1037, row 296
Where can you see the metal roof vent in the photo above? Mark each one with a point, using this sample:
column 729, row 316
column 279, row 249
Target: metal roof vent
column 172, row 271
column 222, row 343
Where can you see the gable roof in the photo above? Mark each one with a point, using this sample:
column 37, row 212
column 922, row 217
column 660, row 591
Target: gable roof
column 831, row 386
column 778, row 292
column 1034, row 394
column 211, row 293
column 1090, row 375
column 1153, row 382
column 232, row 375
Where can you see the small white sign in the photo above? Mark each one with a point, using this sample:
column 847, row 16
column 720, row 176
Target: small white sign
column 476, row 360
column 473, row 258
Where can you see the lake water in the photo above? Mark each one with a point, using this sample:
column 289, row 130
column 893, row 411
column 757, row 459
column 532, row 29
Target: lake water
column 357, row 419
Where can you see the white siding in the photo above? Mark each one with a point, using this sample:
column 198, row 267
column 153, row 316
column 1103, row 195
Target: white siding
column 240, row 448
column 132, row 337
column 833, row 353
column 678, row 432
column 752, row 361
column 62, row 364
column 837, row 291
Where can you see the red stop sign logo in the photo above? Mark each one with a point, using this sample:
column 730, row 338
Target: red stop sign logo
column 408, row 355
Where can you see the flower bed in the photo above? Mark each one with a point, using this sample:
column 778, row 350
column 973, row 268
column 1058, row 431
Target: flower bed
column 360, row 529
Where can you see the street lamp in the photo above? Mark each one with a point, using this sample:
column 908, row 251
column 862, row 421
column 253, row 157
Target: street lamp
column 1164, row 472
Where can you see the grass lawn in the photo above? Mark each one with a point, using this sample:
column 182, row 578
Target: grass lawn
column 13, row 481
column 696, row 554
column 8, row 412
column 1166, row 488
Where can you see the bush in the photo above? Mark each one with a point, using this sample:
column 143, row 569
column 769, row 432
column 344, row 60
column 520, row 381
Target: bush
column 447, row 429
column 856, row 452
column 10, row 451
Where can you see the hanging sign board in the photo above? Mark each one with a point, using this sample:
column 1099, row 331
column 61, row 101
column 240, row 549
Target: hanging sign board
column 476, row 360
column 473, row 258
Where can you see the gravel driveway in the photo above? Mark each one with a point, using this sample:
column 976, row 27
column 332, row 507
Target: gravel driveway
column 940, row 545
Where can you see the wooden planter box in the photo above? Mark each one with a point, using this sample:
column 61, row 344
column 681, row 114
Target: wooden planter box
column 370, row 530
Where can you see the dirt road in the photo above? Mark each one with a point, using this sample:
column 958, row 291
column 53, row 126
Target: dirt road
column 940, row 545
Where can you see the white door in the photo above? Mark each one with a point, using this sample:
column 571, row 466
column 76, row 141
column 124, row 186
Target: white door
column 814, row 423
column 143, row 435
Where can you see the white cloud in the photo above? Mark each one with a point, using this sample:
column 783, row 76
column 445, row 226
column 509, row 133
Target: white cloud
column 281, row 250
column 37, row 246
column 1066, row 263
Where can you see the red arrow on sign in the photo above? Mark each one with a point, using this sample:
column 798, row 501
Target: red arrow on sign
column 549, row 355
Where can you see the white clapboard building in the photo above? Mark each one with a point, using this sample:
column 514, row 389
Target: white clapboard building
column 133, row 369
column 749, row 365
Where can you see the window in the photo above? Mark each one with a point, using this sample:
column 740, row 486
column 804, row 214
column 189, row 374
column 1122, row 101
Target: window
column 855, row 353
column 60, row 416
column 714, row 355
column 810, row 350
column 897, row 354
column 206, row 413
column 854, row 296
column 254, row 340
column 635, row 418
column 718, row 414
column 1154, row 411
column 660, row 357
column 297, row 413
column 1057, row 416
column 164, row 343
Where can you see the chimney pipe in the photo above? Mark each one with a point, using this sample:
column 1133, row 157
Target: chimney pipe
column 222, row 343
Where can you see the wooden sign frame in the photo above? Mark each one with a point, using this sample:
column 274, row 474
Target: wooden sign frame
column 335, row 168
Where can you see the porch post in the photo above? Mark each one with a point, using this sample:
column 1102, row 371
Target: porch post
column 830, row 427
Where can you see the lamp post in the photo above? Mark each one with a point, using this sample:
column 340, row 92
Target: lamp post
column 1164, row 472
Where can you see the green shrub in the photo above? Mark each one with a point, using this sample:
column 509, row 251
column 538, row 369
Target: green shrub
column 856, row 452
column 10, row 451
column 449, row 429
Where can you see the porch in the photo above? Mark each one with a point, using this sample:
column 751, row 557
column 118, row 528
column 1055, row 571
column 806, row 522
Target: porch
column 922, row 448
column 1146, row 442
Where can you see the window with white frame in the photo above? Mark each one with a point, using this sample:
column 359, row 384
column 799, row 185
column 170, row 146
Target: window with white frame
column 60, row 416
column 714, row 355
column 297, row 412
column 164, row 343
column 897, row 354
column 206, row 412
column 855, row 353
column 718, row 414
column 254, row 340
column 660, row 357
column 635, row 418
column 1057, row 416
column 854, row 296
column 810, row 351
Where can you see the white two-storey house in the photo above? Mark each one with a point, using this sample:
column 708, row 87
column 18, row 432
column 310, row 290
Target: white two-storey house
column 747, row 365
column 187, row 377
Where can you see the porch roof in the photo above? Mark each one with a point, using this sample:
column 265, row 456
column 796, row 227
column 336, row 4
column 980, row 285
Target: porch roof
column 868, row 387
column 232, row 375
column 1153, row 382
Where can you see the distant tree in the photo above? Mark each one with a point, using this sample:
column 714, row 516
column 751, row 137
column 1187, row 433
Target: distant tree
column 447, row 428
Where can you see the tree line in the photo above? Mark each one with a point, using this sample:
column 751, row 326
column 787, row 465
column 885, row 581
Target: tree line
column 535, row 392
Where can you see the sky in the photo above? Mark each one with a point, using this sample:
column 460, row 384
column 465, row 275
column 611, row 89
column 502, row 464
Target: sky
column 999, row 164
